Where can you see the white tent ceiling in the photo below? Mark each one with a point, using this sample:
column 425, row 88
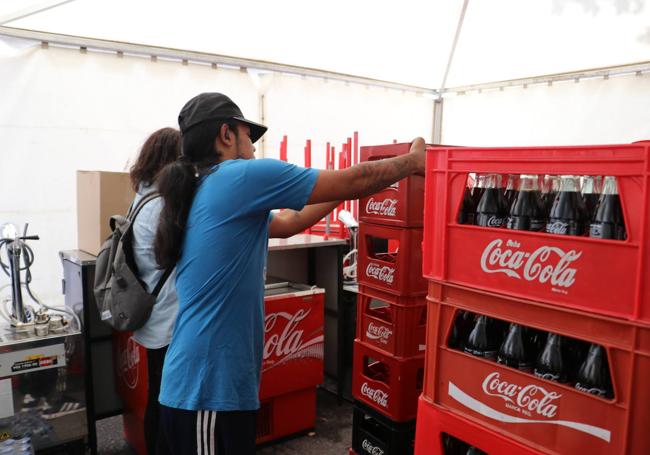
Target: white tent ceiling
column 408, row 42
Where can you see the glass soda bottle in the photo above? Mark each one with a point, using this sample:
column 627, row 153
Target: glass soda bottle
column 527, row 212
column 491, row 210
column 467, row 209
column 510, row 191
column 478, row 188
column 463, row 324
column 607, row 221
column 568, row 214
column 591, row 189
column 514, row 352
column 593, row 376
column 550, row 364
column 550, row 188
column 481, row 341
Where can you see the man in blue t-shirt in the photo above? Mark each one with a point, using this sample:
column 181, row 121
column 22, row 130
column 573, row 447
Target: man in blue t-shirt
column 215, row 226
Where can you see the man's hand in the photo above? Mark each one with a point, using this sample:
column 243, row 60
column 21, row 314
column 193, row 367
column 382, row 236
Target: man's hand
column 418, row 150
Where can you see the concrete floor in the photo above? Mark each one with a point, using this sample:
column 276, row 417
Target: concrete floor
column 332, row 435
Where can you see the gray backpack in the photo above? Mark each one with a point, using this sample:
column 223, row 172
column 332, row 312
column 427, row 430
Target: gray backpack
column 121, row 296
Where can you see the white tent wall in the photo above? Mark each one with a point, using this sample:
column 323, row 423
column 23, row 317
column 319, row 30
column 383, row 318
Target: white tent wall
column 310, row 108
column 63, row 110
column 592, row 111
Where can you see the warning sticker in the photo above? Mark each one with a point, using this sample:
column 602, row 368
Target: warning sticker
column 29, row 360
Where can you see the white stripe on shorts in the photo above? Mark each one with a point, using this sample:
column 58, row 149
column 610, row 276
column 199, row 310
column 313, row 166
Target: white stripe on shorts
column 198, row 432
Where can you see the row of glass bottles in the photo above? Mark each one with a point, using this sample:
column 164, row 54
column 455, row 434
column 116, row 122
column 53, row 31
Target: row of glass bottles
column 547, row 355
column 563, row 206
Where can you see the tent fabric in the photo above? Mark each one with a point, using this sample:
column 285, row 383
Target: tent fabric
column 406, row 42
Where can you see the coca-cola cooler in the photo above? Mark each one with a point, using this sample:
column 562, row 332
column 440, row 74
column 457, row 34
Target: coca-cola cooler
column 292, row 363
column 291, row 369
column 130, row 360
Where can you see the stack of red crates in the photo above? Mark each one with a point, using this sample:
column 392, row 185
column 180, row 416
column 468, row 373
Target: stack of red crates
column 587, row 289
column 388, row 364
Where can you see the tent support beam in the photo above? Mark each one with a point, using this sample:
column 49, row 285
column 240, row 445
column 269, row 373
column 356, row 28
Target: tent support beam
column 27, row 12
column 124, row 48
column 574, row 76
column 436, row 135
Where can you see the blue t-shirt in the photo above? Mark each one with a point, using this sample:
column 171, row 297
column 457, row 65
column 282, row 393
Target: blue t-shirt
column 215, row 357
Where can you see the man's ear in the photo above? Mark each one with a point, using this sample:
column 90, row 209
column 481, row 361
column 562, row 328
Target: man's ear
column 225, row 134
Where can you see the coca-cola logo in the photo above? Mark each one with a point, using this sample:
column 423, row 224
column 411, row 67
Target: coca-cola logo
column 545, row 264
column 558, row 227
column 377, row 395
column 378, row 332
column 526, row 399
column 129, row 358
column 381, row 273
column 371, row 449
column 387, row 207
column 495, row 221
column 285, row 338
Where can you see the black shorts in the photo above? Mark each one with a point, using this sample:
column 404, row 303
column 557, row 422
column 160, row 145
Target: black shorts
column 209, row 432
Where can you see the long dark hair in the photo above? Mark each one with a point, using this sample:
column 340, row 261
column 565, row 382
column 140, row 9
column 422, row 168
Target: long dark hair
column 160, row 149
column 177, row 183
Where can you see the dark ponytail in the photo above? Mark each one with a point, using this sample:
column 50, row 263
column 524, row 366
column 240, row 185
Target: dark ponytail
column 177, row 183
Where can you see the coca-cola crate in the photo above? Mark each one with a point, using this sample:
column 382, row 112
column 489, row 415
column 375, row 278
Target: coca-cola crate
column 293, row 338
column 433, row 422
column 610, row 277
column 390, row 259
column 386, row 383
column 549, row 416
column 401, row 204
column 286, row 414
column 373, row 433
column 395, row 325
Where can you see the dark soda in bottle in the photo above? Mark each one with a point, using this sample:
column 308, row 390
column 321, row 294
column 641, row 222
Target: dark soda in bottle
column 550, row 364
column 514, row 352
column 607, row 221
column 491, row 210
column 510, row 190
column 568, row 214
column 550, row 188
column 467, row 208
column 593, row 376
column 591, row 189
column 527, row 211
column 481, row 341
column 463, row 324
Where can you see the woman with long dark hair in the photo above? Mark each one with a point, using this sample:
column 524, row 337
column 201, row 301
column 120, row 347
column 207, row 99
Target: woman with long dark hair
column 215, row 226
column 160, row 149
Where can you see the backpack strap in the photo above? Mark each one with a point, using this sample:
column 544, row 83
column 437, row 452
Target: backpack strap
column 133, row 212
column 162, row 281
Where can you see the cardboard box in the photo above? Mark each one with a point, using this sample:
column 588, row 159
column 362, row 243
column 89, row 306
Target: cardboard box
column 100, row 195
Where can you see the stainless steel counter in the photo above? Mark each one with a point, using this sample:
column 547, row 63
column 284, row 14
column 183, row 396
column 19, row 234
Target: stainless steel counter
column 303, row 241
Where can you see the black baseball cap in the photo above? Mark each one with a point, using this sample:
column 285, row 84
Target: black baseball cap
column 215, row 106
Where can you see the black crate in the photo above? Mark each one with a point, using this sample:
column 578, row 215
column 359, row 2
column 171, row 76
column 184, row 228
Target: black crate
column 373, row 433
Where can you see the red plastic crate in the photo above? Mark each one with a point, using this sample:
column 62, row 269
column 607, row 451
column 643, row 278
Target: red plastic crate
column 545, row 415
column 293, row 342
column 385, row 383
column 398, row 269
column 401, row 204
column 286, row 414
column 433, row 421
column 395, row 325
column 606, row 276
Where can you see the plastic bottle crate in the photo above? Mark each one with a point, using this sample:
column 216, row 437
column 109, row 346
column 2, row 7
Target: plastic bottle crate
column 385, row 383
column 390, row 259
column 610, row 277
column 548, row 416
column 433, row 421
column 395, row 325
column 293, row 342
column 401, row 204
column 373, row 434
column 286, row 414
